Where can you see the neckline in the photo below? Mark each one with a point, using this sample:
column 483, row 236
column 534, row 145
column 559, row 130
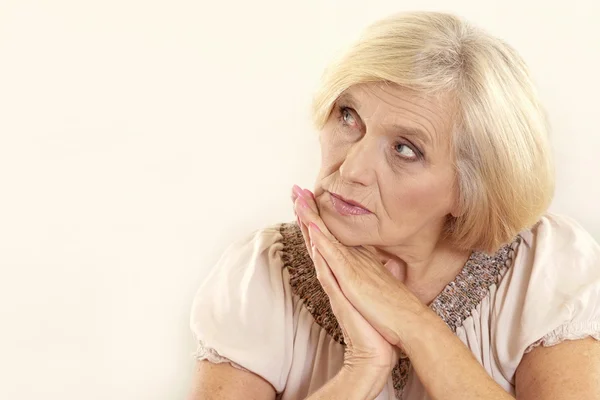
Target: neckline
column 453, row 304
column 471, row 285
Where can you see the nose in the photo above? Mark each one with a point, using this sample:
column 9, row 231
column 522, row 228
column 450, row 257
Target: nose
column 360, row 161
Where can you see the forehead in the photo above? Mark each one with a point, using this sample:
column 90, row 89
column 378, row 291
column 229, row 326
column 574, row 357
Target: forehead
column 388, row 104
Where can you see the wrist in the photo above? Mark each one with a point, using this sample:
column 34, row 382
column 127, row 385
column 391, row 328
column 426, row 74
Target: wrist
column 366, row 382
column 418, row 327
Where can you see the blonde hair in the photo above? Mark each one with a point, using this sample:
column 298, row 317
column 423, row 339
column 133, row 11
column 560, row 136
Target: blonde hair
column 503, row 164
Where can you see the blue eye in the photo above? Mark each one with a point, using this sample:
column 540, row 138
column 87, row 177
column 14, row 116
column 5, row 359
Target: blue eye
column 405, row 151
column 346, row 116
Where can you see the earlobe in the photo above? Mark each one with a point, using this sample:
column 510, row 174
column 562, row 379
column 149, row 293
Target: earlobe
column 455, row 212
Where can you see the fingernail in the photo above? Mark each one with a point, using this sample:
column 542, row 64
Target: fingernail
column 303, row 202
column 297, row 190
column 314, row 226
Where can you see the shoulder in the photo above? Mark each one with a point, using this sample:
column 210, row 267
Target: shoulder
column 561, row 253
column 259, row 262
column 258, row 239
column 552, row 291
column 250, row 264
column 242, row 311
column 559, row 233
column 556, row 263
column 254, row 250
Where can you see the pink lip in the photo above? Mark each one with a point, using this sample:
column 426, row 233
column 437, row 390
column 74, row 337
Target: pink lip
column 347, row 207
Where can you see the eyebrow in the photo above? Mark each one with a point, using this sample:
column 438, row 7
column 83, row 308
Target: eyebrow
column 412, row 132
column 347, row 98
column 402, row 130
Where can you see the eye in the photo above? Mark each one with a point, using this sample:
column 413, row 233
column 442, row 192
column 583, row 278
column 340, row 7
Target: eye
column 405, row 151
column 346, row 116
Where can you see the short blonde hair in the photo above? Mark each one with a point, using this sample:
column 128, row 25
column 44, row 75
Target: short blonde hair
column 503, row 164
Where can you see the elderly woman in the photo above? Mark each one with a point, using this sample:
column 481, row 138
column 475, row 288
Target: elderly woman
column 423, row 264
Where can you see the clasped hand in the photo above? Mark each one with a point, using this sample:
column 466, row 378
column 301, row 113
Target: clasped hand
column 366, row 296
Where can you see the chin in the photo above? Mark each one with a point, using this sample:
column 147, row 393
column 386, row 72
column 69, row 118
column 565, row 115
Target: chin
column 350, row 231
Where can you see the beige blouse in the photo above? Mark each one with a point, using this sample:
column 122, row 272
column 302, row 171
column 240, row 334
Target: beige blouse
column 261, row 308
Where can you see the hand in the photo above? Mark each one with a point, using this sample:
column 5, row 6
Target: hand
column 366, row 349
column 372, row 288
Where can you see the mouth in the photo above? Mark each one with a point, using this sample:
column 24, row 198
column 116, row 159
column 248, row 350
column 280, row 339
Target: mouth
column 347, row 206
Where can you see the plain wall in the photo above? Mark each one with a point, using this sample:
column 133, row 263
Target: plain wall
column 139, row 138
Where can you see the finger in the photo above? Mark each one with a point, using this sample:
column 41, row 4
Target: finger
column 293, row 197
column 305, row 234
column 308, row 215
column 339, row 302
column 306, row 237
column 310, row 199
column 307, row 195
column 297, row 191
column 331, row 252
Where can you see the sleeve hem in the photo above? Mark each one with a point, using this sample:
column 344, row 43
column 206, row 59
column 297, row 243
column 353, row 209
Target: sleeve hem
column 568, row 331
column 204, row 352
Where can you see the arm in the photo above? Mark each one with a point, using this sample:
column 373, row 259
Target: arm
column 567, row 371
column 445, row 366
column 350, row 385
column 242, row 313
column 222, row 381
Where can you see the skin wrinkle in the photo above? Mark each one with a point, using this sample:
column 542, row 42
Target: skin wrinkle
column 410, row 199
column 423, row 129
column 399, row 105
column 444, row 112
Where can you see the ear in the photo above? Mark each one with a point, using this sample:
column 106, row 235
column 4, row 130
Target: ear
column 456, row 211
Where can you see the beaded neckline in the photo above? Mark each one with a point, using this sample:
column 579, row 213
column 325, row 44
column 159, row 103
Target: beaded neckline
column 454, row 304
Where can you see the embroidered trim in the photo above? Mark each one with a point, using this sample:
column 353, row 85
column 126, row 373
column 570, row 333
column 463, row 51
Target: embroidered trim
column 568, row 331
column 454, row 304
column 304, row 282
column 461, row 296
column 209, row 354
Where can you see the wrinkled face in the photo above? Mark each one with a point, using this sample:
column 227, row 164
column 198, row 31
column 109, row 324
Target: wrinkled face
column 387, row 150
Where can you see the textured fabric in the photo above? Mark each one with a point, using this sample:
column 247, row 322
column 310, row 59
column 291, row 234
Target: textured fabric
column 261, row 310
column 453, row 304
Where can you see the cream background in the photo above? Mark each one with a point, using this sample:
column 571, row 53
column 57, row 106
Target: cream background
column 138, row 138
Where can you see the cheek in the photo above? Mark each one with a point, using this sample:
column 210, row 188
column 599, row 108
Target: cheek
column 333, row 148
column 422, row 196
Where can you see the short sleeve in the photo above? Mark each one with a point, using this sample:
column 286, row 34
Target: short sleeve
column 552, row 292
column 242, row 311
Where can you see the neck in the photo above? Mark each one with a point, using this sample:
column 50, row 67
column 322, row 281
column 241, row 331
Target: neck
column 425, row 268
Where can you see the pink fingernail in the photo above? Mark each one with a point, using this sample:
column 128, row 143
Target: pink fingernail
column 302, row 202
column 297, row 190
column 314, row 226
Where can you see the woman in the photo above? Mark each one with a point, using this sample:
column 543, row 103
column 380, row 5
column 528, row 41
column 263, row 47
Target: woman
column 424, row 264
